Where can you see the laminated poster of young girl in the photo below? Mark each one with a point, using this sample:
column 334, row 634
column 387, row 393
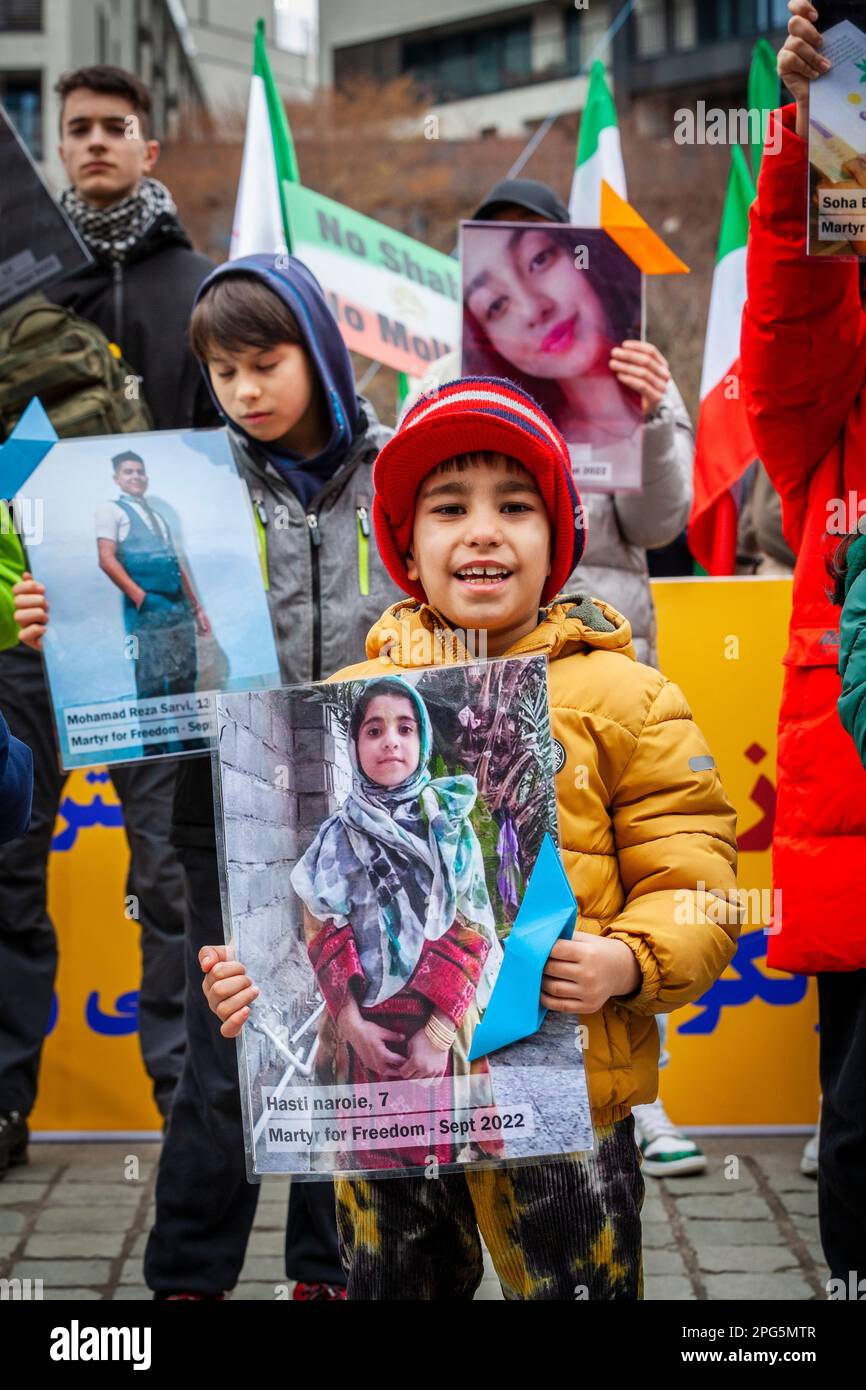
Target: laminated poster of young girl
column 414, row 807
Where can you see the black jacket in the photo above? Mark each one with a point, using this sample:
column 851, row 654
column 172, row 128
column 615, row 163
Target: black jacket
column 16, row 785
column 144, row 306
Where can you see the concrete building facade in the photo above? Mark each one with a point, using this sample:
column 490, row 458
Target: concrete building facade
column 40, row 39
column 496, row 66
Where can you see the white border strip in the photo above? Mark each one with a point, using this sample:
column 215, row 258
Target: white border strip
column 91, row 1136
column 95, row 1136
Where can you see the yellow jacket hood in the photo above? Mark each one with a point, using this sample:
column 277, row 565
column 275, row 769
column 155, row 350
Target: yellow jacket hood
column 411, row 634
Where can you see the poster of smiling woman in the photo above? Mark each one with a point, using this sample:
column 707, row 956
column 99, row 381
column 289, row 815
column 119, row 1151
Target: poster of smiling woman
column 544, row 305
column 147, row 549
column 378, row 839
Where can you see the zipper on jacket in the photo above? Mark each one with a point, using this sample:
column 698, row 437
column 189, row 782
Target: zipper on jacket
column 315, row 543
column 363, row 549
column 260, row 516
column 117, row 297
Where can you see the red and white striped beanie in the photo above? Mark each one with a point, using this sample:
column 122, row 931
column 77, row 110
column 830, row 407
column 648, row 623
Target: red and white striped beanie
column 471, row 415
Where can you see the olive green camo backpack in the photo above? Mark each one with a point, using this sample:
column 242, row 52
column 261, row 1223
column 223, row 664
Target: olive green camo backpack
column 80, row 378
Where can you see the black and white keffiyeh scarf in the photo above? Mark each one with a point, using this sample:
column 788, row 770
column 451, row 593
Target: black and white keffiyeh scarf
column 112, row 232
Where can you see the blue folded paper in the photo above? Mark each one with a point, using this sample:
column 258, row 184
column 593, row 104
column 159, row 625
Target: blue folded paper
column 25, row 448
column 548, row 912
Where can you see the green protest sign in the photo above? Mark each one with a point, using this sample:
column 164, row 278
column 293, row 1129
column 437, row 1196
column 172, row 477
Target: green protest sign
column 396, row 300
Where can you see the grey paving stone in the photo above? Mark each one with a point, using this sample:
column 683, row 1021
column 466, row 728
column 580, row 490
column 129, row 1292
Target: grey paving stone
column 663, row 1262
column 489, row 1291
column 745, row 1207
column 13, row 1194
column 270, row 1216
column 659, row 1236
column 261, row 1292
column 36, row 1172
column 83, row 1218
column 704, row 1183
column 758, row 1288
column 131, row 1273
column 800, row 1203
column 807, row 1227
column 71, row 1295
column 785, row 1179
column 73, row 1245
column 266, row 1243
column 264, row 1267
column 62, row 1273
column 127, row 1293
column 670, row 1287
column 11, row 1221
column 109, row 1175
column 708, row 1233
column 95, row 1193
column 653, row 1210
column 756, row 1259
column 273, row 1190
column 7, row 1245
column 138, row 1245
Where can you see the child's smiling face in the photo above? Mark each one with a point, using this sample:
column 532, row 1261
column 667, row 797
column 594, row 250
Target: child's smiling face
column 389, row 740
column 481, row 547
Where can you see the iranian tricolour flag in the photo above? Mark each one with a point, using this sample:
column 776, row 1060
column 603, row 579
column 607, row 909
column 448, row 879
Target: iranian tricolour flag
column 724, row 448
column 599, row 153
column 260, row 221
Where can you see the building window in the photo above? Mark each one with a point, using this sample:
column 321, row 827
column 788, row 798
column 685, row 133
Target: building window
column 295, row 25
column 20, row 16
column 685, row 25
column 735, row 19
column 473, row 63
column 773, row 14
column 101, row 36
column 651, row 36
column 21, row 94
column 573, row 45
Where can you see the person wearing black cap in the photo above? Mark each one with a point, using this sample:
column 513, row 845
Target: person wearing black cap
column 621, row 529
column 624, row 526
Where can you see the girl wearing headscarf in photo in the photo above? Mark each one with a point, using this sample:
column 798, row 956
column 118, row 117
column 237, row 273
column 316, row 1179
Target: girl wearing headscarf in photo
column 397, row 916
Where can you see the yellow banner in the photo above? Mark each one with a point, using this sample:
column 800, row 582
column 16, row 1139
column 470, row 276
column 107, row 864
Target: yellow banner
column 747, row 1054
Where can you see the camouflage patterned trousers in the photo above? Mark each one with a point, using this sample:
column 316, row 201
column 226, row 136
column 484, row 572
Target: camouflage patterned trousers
column 565, row 1228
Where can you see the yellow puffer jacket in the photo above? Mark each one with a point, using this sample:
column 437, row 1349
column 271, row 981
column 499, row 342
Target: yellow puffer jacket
column 643, row 820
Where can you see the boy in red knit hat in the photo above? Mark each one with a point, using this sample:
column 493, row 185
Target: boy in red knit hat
column 478, row 520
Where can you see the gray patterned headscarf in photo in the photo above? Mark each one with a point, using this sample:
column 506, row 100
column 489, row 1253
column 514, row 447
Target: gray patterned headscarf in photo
column 112, row 232
column 398, row 864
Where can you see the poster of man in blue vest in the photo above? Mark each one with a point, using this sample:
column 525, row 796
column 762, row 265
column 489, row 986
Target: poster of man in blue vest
column 165, row 609
column 161, row 612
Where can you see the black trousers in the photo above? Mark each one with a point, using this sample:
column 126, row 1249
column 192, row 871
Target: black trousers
column 204, row 1203
column 28, row 946
column 842, row 1149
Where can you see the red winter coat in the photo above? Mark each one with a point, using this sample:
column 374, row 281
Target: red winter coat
column 804, row 375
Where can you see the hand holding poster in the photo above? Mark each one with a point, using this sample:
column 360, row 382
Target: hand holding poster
column 37, row 241
column 146, row 546
column 837, row 137
column 377, row 839
column 543, row 305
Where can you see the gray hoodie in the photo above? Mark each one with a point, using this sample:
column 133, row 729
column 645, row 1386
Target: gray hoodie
column 314, row 559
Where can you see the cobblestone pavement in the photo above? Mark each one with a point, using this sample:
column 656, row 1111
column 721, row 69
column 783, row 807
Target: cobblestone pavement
column 747, row 1229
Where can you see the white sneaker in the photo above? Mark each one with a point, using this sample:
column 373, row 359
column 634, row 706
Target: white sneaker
column 809, row 1160
column 667, row 1152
